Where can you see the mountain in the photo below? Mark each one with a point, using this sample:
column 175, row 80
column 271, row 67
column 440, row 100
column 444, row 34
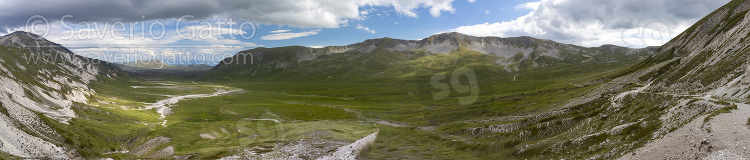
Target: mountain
column 157, row 68
column 42, row 81
column 704, row 76
column 709, row 57
column 386, row 57
column 158, row 64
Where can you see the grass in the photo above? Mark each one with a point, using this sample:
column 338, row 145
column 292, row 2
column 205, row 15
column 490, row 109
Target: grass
column 346, row 110
column 408, row 101
column 339, row 103
column 96, row 137
column 342, row 97
column 6, row 156
column 393, row 102
column 397, row 142
column 231, row 135
column 111, row 123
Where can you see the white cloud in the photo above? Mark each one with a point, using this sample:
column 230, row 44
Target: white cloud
column 486, row 11
column 289, row 35
column 528, row 5
column 204, row 32
column 196, row 42
column 316, row 46
column 295, row 13
column 359, row 26
column 472, row 1
column 632, row 23
column 367, row 11
column 280, row 31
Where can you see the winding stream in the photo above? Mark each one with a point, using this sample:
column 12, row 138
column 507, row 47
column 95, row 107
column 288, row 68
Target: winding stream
column 163, row 106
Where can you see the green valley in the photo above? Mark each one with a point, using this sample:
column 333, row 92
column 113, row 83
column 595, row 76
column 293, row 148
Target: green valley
column 446, row 96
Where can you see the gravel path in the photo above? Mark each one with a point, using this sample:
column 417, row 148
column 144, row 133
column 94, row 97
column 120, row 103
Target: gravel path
column 730, row 131
column 728, row 138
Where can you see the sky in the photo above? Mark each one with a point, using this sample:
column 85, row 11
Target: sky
column 198, row 31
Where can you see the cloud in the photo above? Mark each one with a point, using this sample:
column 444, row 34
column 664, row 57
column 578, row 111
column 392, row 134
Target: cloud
column 632, row 23
column 472, row 1
column 295, row 13
column 359, row 26
column 210, row 32
column 191, row 43
column 289, row 35
column 367, row 11
column 280, row 31
column 316, row 46
column 528, row 5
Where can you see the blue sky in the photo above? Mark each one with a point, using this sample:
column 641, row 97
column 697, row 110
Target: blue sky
column 111, row 30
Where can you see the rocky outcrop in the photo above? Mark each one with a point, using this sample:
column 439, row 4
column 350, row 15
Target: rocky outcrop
column 352, row 151
column 149, row 146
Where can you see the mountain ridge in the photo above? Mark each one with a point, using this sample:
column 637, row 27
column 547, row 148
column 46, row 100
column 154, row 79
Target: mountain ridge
column 450, row 40
column 511, row 53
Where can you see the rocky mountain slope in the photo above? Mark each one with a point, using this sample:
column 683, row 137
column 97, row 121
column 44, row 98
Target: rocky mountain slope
column 710, row 57
column 40, row 80
column 386, row 57
column 706, row 63
column 686, row 101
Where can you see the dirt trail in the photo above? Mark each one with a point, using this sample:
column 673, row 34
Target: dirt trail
column 635, row 91
column 730, row 131
column 724, row 136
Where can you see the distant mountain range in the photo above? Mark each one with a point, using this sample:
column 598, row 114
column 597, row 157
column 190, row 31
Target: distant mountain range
column 158, row 64
column 386, row 57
